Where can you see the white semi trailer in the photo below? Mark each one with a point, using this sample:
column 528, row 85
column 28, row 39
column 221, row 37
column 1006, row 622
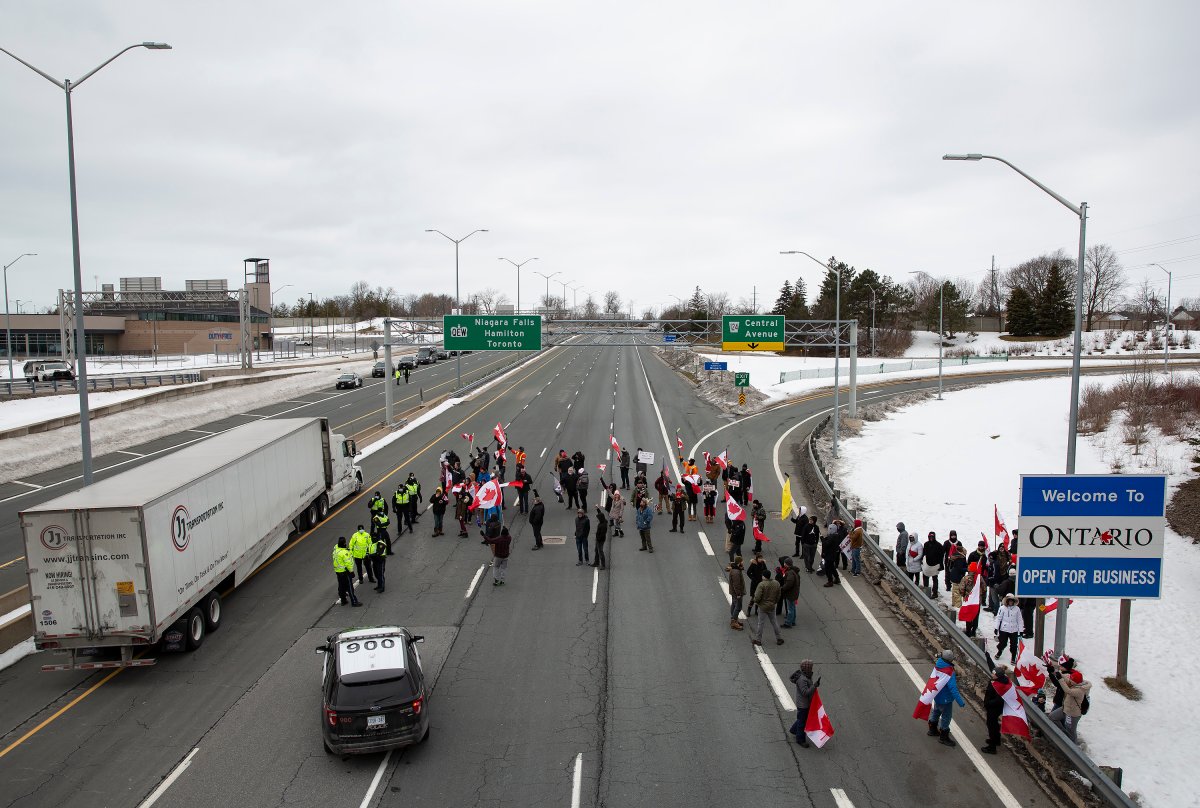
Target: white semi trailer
column 142, row 557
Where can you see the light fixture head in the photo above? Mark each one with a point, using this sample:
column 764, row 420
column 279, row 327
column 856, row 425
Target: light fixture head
column 156, row 45
column 962, row 156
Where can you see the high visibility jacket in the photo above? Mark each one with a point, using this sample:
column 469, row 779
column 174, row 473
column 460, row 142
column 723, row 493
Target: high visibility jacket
column 414, row 489
column 359, row 542
column 343, row 561
column 520, row 458
column 376, row 505
column 382, row 521
column 401, row 497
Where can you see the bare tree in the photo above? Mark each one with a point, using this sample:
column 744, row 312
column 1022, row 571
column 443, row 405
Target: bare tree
column 1031, row 275
column 648, row 314
column 590, row 308
column 1147, row 300
column 744, row 305
column 717, row 304
column 612, row 303
column 1103, row 280
column 488, row 300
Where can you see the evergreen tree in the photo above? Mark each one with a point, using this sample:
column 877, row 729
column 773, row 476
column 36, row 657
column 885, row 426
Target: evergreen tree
column 798, row 310
column 823, row 309
column 783, row 303
column 1054, row 311
column 1022, row 319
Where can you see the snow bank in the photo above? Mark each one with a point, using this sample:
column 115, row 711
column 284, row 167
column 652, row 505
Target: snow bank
column 942, row 465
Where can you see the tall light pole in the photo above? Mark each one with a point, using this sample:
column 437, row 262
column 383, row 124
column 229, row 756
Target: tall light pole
column 1166, row 329
column 941, row 326
column 872, row 288
column 575, row 287
column 564, row 286
column 312, row 326
column 837, row 339
column 548, row 277
column 518, row 266
column 7, row 326
column 1080, row 210
column 457, row 302
column 66, row 85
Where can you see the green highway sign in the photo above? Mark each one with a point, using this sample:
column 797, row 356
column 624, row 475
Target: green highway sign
column 492, row 332
column 752, row 332
column 741, row 380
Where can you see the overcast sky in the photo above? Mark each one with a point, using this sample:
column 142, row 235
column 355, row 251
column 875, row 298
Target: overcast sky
column 644, row 147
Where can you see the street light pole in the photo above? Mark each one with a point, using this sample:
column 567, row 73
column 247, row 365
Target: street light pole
column 548, row 277
column 7, row 326
column 312, row 327
column 1166, row 329
column 872, row 288
column 837, row 340
column 518, row 266
column 941, row 321
column 1080, row 210
column 457, row 301
column 66, row 85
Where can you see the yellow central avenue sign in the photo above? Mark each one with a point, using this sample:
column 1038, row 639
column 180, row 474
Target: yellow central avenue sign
column 752, row 332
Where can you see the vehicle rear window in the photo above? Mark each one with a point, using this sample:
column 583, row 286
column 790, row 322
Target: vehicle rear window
column 352, row 692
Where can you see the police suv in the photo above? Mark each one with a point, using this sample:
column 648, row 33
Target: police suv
column 373, row 691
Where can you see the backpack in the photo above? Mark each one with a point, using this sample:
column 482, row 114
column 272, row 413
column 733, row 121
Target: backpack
column 1085, row 705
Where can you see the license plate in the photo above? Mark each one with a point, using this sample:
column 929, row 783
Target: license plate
column 376, row 721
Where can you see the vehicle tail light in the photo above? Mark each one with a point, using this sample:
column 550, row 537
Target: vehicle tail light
column 331, row 716
column 416, row 705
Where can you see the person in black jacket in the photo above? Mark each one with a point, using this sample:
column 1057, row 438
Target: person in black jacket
column 756, row 572
column 737, row 537
column 583, row 526
column 537, row 515
column 801, row 529
column 831, row 548
column 624, row 461
column 993, row 705
column 931, row 564
column 601, row 537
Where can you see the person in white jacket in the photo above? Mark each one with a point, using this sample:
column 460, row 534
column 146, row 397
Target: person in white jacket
column 912, row 558
column 1010, row 624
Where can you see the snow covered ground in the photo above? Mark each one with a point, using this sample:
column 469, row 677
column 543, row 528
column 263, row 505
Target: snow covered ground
column 944, row 465
column 1113, row 343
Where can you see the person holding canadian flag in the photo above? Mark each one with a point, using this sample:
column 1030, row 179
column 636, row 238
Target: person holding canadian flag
column 1005, row 713
column 936, row 703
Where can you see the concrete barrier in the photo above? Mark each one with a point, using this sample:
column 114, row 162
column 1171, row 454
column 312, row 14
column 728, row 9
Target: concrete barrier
column 14, row 599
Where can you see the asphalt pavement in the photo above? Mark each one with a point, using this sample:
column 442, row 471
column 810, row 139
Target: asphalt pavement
column 567, row 686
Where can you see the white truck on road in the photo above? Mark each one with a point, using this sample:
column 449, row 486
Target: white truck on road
column 142, row 557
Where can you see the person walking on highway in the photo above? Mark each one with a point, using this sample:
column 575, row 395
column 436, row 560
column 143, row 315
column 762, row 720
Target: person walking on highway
column 414, row 499
column 857, row 539
column 805, row 687
column 616, row 513
column 438, row 502
column 737, row 591
column 601, row 537
column 400, row 503
column 737, row 537
column 380, row 549
column 501, row 546
column 406, row 375
column 343, row 568
column 360, row 542
column 462, row 512
column 397, row 375
column 583, row 527
column 831, row 548
column 993, row 706
column 678, row 510
column 662, row 485
column 943, row 703
column 537, row 515
column 645, row 517
column 756, row 572
column 789, row 591
column 765, row 598
column 377, row 504
column 624, row 463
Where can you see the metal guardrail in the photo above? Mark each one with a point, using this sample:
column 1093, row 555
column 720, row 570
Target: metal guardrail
column 98, row 384
column 1104, row 787
column 868, row 368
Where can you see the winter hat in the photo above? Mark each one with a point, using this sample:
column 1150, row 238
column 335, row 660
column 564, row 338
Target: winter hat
column 1067, row 662
column 932, row 535
column 1009, row 597
column 947, row 655
column 737, row 560
column 899, row 526
column 973, row 567
column 912, row 538
column 832, row 527
column 858, row 523
column 1076, row 677
column 953, row 534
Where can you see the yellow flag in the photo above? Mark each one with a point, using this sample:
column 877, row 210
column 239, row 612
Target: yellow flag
column 785, row 510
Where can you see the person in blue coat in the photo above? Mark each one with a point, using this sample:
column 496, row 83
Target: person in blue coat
column 943, row 702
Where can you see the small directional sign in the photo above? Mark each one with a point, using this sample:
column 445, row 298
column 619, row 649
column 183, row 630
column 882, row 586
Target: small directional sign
column 716, row 366
column 741, row 380
column 741, row 399
column 670, row 337
column 752, row 332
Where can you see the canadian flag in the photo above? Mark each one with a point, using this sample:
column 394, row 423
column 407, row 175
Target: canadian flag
column 937, row 680
column 1030, row 671
column 488, row 496
column 736, row 512
column 1052, row 604
column 468, row 436
column 1012, row 720
column 448, row 477
column 760, row 536
column 500, row 436
column 818, row 727
column 679, row 442
column 722, row 459
column 694, row 481
column 513, row 484
column 616, row 446
column 970, row 609
column 706, row 457
column 1001, row 530
column 602, row 466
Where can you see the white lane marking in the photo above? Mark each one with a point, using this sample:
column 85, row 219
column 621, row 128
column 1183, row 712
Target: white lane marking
column 778, row 443
column 344, row 406
column 577, row 781
column 294, row 401
column 840, row 798
column 366, row 800
column 610, row 425
column 475, row 580
column 201, row 431
column 981, row 765
column 614, row 407
column 658, row 414
column 30, row 485
column 256, row 415
column 543, row 454
column 708, row 550
column 781, row 691
column 721, row 582
column 608, row 453
column 122, row 451
column 568, row 406
column 169, row 779
column 595, row 583
column 525, row 407
column 559, row 424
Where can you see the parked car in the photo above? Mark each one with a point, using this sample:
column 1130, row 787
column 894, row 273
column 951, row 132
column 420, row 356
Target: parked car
column 379, row 371
column 349, row 380
column 373, row 693
column 41, row 371
column 409, row 361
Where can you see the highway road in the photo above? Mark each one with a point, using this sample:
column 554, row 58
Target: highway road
column 566, row 687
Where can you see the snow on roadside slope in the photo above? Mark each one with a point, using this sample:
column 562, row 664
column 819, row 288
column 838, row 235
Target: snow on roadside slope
column 943, row 465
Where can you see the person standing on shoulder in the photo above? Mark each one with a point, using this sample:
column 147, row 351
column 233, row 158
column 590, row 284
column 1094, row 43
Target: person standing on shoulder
column 343, row 568
column 583, row 526
column 1010, row 624
column 931, row 564
column 645, row 517
column 709, row 492
column 678, row 510
column 601, row 537
column 624, row 462
column 943, row 702
column 901, row 546
column 993, row 707
column 616, row 514
column 805, row 687
column 789, row 591
column 831, row 548
column 537, row 515
column 857, row 538
column 501, row 545
column 737, row 591
column 765, row 598
column 582, row 482
column 380, row 549
column 360, row 542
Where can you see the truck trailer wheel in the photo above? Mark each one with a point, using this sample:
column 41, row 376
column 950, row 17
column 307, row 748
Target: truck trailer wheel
column 310, row 516
column 211, row 606
column 322, row 507
column 194, row 632
column 358, row 482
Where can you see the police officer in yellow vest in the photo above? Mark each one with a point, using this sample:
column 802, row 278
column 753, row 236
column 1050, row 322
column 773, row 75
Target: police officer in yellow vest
column 343, row 568
column 360, row 543
column 381, row 548
column 414, row 498
column 377, row 504
column 379, row 526
column 400, row 499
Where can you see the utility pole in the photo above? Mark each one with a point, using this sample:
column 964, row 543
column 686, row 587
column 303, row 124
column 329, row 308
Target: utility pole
column 995, row 295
